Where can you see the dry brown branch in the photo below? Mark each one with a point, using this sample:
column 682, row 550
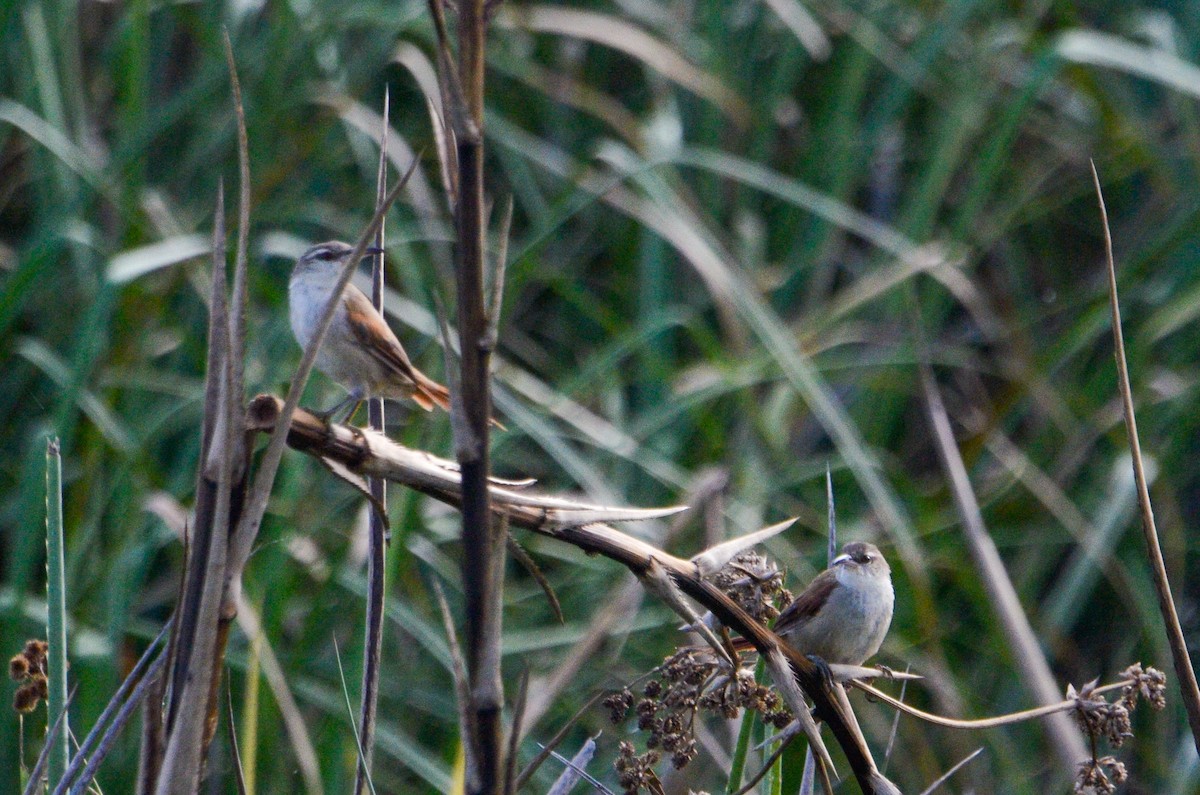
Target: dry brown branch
column 368, row 453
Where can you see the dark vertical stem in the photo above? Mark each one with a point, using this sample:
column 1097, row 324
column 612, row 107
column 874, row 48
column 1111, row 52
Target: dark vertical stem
column 376, row 584
column 481, row 575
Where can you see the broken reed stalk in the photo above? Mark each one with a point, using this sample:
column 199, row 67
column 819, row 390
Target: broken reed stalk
column 191, row 712
column 365, row 453
column 1189, row 691
column 204, row 613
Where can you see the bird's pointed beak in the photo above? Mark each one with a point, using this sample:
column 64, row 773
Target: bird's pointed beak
column 838, row 560
column 371, row 251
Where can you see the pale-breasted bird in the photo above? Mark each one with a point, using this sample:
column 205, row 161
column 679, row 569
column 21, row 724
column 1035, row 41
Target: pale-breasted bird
column 844, row 613
column 359, row 351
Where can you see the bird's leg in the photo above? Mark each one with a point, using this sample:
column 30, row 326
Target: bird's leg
column 329, row 413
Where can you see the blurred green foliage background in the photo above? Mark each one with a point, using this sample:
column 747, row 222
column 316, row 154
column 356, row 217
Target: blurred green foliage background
column 724, row 213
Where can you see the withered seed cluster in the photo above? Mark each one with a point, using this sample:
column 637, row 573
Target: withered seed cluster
column 1100, row 718
column 29, row 668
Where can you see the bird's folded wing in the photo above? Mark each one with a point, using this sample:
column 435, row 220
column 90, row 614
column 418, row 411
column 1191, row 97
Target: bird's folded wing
column 806, row 605
column 378, row 339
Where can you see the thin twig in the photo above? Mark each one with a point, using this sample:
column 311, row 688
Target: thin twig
column 239, row 775
column 521, row 556
column 514, row 732
column 554, row 741
column 1189, row 691
column 982, row 723
column 575, row 770
column 150, row 746
column 887, row 752
column 454, row 98
column 462, row 688
column 377, row 529
column 114, row 731
column 942, row 779
column 766, row 766
column 337, row 654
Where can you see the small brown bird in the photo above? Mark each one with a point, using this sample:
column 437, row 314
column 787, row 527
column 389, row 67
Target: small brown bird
column 359, row 351
column 844, row 613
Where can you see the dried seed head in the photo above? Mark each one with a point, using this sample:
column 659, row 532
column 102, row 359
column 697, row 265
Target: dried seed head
column 18, row 668
column 755, row 583
column 26, row 698
column 1150, row 684
column 35, row 653
column 1092, row 777
column 618, row 705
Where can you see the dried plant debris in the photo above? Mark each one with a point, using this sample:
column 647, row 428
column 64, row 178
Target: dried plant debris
column 29, row 668
column 756, row 584
column 694, row 680
column 689, row 682
column 1100, row 718
column 1092, row 775
column 636, row 772
column 1150, row 684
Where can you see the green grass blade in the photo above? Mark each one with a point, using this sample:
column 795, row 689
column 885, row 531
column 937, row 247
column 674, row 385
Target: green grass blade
column 56, row 613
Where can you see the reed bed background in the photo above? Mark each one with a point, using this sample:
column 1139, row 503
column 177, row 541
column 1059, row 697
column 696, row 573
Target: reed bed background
column 738, row 231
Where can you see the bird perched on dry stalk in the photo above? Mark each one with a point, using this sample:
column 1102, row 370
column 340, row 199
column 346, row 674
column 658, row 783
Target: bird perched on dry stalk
column 360, row 351
column 844, row 613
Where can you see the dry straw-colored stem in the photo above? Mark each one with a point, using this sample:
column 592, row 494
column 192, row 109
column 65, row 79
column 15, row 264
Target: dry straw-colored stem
column 1060, row 707
column 1188, row 689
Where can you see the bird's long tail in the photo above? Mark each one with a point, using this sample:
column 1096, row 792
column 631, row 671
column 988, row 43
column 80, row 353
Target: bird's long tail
column 429, row 393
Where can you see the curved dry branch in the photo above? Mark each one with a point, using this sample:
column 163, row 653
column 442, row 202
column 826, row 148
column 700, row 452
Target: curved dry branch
column 982, row 723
